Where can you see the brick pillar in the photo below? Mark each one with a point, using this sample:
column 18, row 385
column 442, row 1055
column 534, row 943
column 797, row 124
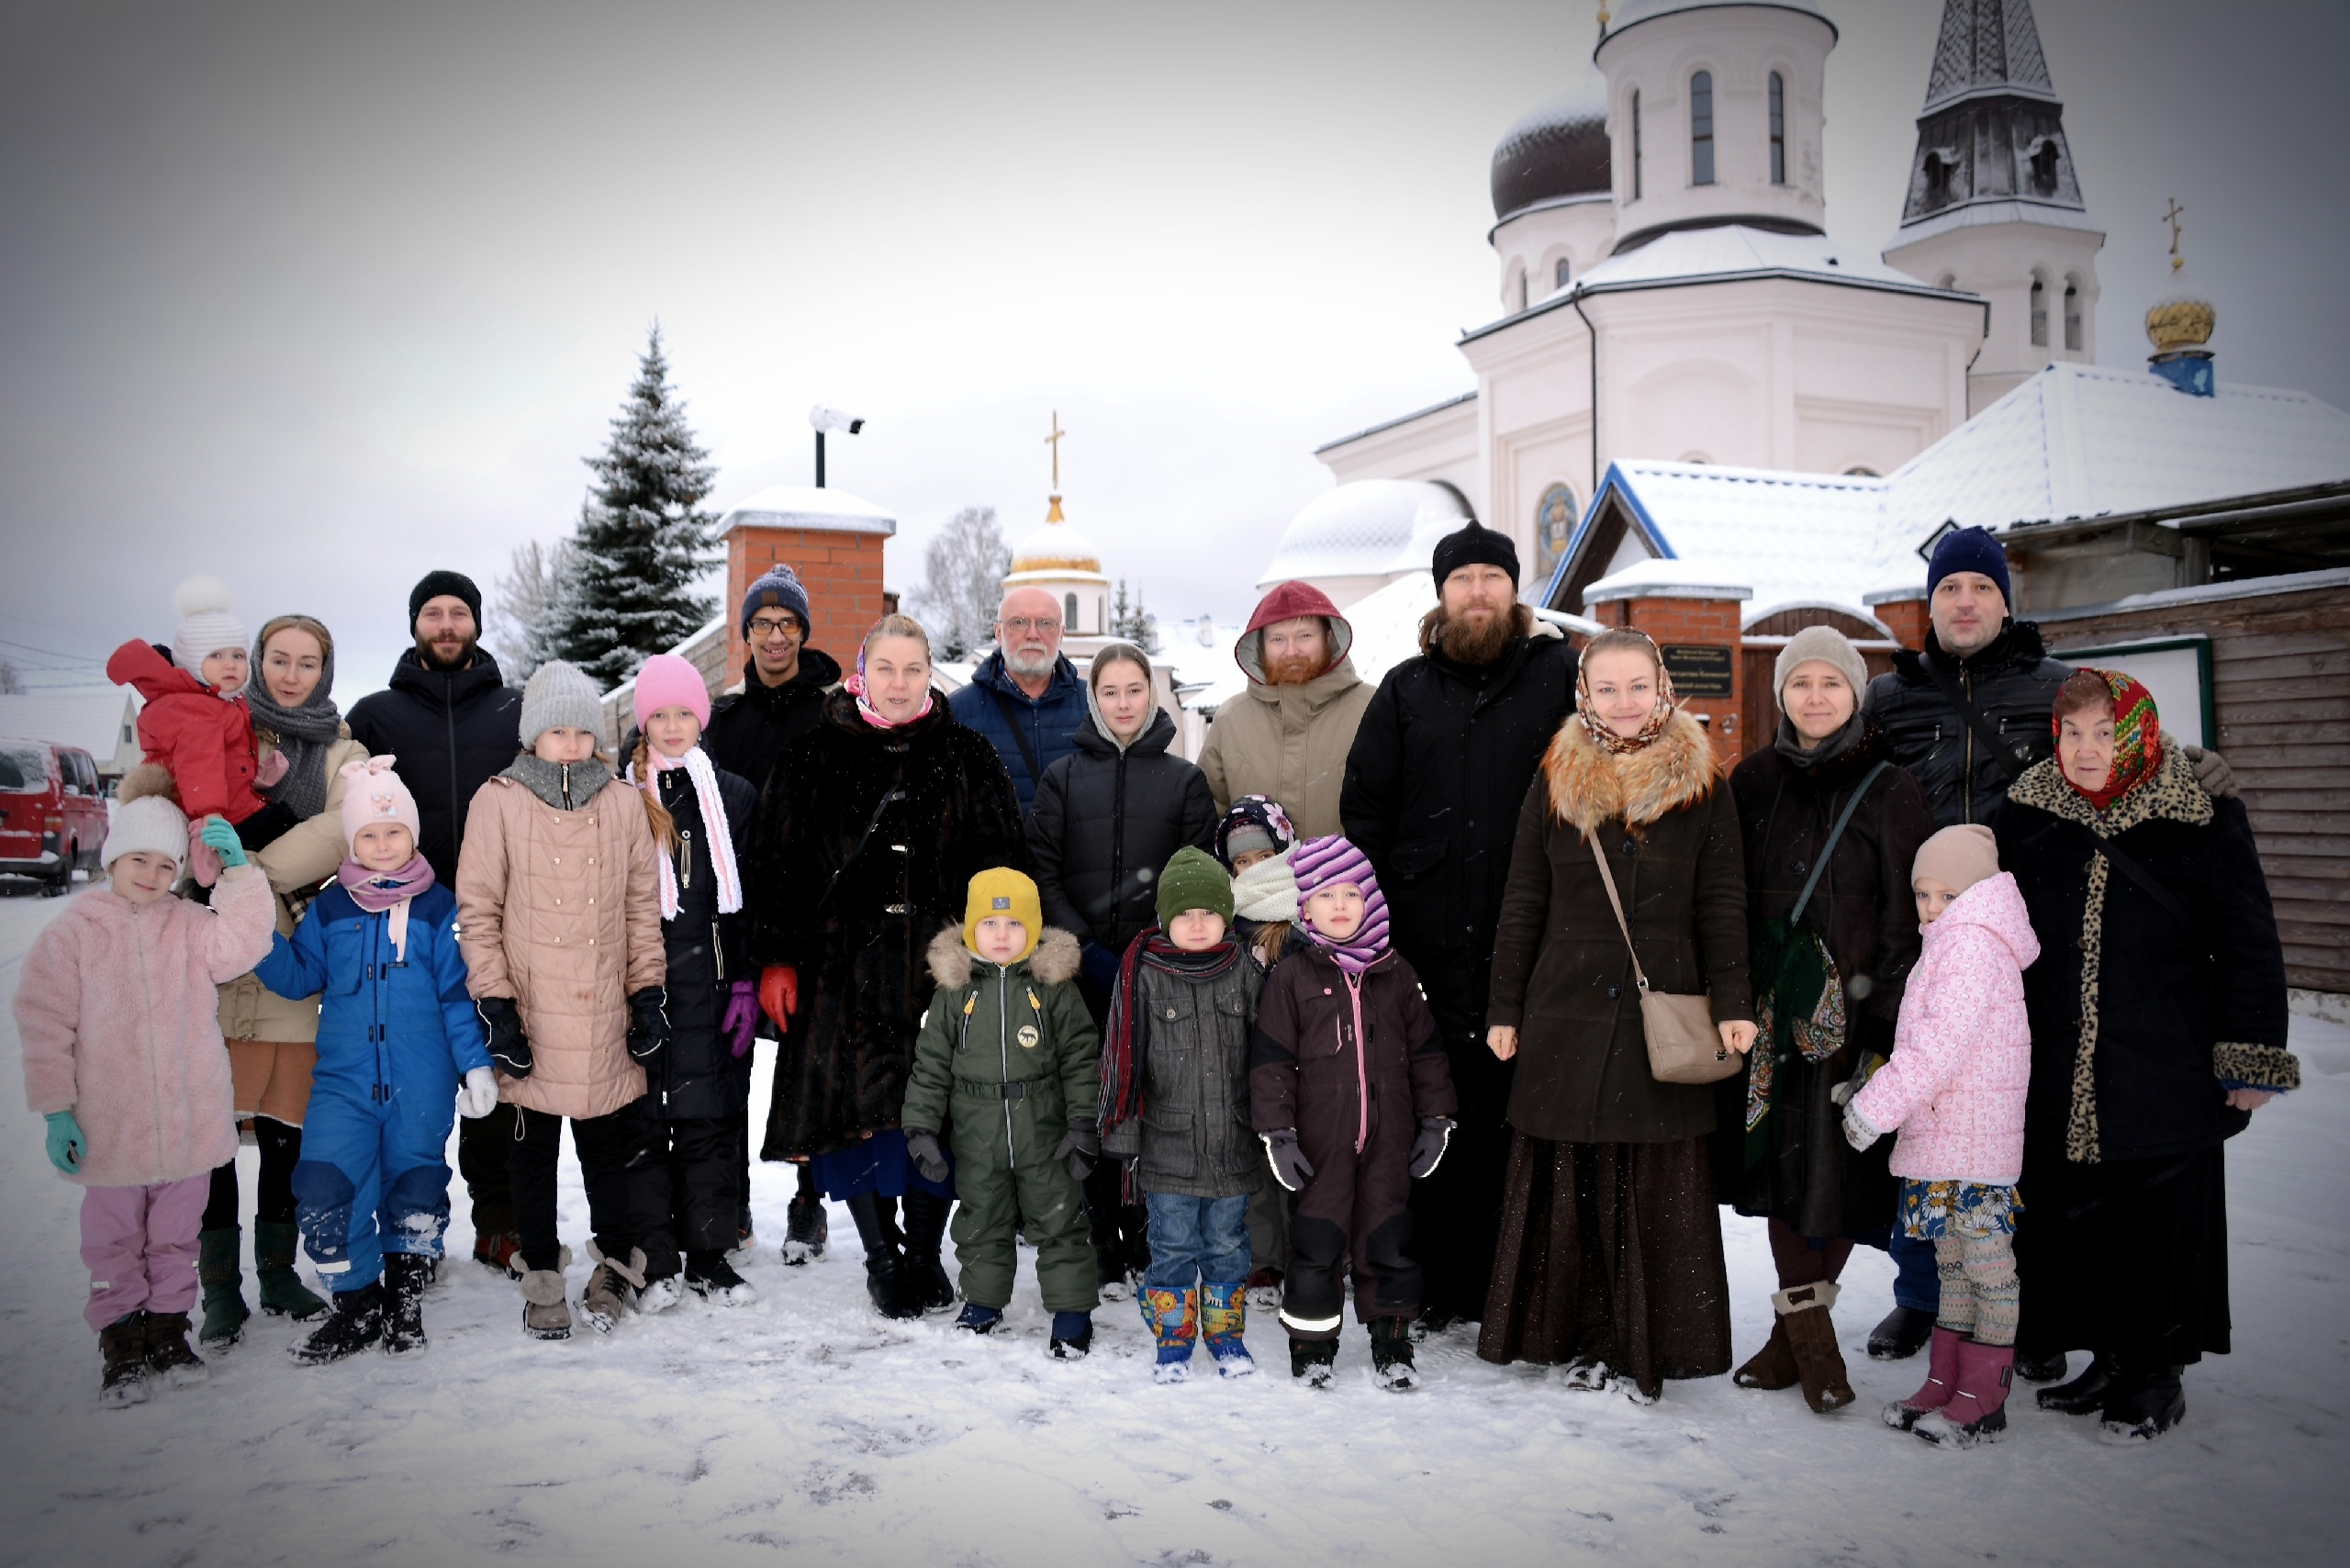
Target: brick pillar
column 1695, row 617
column 840, row 568
column 1903, row 611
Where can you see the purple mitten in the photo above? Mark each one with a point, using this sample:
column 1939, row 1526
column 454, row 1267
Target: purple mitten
column 741, row 1022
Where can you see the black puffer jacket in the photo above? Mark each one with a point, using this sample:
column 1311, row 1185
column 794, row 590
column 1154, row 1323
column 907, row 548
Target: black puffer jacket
column 2012, row 681
column 1107, row 821
column 449, row 732
column 747, row 732
column 696, row 1077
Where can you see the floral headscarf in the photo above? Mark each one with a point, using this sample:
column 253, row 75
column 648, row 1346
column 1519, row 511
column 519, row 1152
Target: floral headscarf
column 2137, row 738
column 1598, row 728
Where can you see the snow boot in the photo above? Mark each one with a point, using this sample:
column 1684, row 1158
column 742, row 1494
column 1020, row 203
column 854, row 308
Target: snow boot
column 2143, row 1404
column 1313, row 1362
column 1811, row 1333
column 712, row 1277
column 977, row 1319
column 610, row 1287
column 665, row 1284
column 2085, row 1396
column 1900, row 1334
column 217, row 1270
column 355, row 1322
column 497, row 1244
column 122, row 1344
column 1976, row 1412
column 167, row 1352
column 1588, row 1375
column 1391, row 1354
column 885, row 1262
column 545, row 1313
column 2040, row 1369
column 1223, row 1315
column 926, row 1229
column 804, row 1229
column 1073, row 1336
column 1265, row 1290
column 282, row 1293
column 405, row 1276
column 1941, row 1377
column 1773, row 1366
column 1173, row 1317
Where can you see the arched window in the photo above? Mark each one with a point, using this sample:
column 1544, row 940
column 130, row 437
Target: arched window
column 2039, row 314
column 1636, row 144
column 1701, row 128
column 1938, row 171
column 1068, row 611
column 1778, row 129
column 2043, row 166
column 1558, row 274
column 2072, row 317
column 1522, row 291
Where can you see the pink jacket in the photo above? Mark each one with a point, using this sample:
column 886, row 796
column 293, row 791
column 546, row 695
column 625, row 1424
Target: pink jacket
column 1962, row 1053
column 119, row 1016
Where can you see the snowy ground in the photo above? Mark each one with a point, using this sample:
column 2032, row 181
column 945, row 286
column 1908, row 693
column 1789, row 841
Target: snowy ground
column 804, row 1428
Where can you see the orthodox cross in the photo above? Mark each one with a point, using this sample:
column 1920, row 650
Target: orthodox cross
column 2172, row 217
column 1054, row 440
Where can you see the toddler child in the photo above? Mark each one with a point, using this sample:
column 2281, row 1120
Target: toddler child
column 398, row 1042
column 1008, row 1058
column 118, row 1013
column 1349, row 1088
column 1254, row 840
column 1961, row 1060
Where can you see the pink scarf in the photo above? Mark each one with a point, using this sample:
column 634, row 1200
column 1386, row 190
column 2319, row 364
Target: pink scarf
column 376, row 891
column 854, row 687
column 714, row 827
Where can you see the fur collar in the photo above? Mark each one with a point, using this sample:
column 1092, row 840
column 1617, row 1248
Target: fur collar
column 2171, row 794
column 1055, row 961
column 1588, row 787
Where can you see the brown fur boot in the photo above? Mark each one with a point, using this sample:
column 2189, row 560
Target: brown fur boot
column 1773, row 1366
column 1811, row 1333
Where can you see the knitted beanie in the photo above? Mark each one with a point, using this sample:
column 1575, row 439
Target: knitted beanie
column 1001, row 890
column 670, row 680
column 1192, row 880
column 434, row 585
column 1970, row 550
column 374, row 793
column 1958, row 858
column 206, row 623
column 150, row 823
column 560, row 696
column 1252, row 823
column 1828, row 646
column 1474, row 544
column 776, row 588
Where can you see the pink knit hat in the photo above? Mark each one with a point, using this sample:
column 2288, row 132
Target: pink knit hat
column 374, row 793
column 1958, row 857
column 670, row 680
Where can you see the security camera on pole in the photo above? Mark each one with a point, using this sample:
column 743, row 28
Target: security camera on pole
column 825, row 418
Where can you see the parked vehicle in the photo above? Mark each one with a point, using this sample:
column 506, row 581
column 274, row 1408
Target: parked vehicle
column 52, row 812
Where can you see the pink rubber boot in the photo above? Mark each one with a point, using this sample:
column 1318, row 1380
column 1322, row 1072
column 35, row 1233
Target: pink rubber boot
column 1977, row 1409
column 1942, row 1379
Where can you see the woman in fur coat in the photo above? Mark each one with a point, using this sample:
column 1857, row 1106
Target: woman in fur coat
column 1611, row 1249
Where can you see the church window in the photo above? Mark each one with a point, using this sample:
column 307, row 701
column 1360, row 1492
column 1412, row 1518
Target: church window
column 2072, row 318
column 1522, row 291
column 2043, row 166
column 1701, row 128
column 1636, row 144
column 1558, row 274
column 1068, row 611
column 1778, row 129
column 1938, row 171
column 2039, row 314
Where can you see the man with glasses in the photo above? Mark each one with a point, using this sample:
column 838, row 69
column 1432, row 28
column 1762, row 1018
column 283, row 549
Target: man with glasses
column 1025, row 696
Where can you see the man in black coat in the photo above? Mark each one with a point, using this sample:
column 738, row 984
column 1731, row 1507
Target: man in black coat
column 450, row 723
column 1439, row 772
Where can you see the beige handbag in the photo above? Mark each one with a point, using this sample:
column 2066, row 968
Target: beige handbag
column 1684, row 1046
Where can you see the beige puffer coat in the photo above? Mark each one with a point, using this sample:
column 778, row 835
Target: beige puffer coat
column 301, row 857
column 561, row 910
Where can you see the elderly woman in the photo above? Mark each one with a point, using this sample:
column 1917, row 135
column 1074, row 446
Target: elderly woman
column 2158, row 1021
column 1830, row 822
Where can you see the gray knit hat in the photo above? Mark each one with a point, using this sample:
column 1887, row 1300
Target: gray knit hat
column 560, row 696
column 1828, row 646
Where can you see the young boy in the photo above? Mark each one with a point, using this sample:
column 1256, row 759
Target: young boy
column 1175, row 1094
column 1008, row 1042
column 1349, row 1088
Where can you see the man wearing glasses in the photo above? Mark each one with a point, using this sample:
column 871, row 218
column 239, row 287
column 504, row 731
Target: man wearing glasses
column 1025, row 696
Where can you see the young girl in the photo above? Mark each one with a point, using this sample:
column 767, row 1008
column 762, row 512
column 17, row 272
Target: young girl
column 397, row 1036
column 691, row 1188
column 123, row 1057
column 1350, row 1089
column 1254, row 841
column 1962, row 1061
column 558, row 901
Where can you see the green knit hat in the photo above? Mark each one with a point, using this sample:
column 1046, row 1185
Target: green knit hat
column 1194, row 880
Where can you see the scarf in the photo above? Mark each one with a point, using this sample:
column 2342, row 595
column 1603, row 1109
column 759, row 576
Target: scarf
column 854, row 687
column 2137, row 739
column 1123, row 1068
column 1266, row 891
column 1604, row 735
column 302, row 736
column 714, row 827
column 1331, row 862
column 1790, row 746
column 566, row 786
column 376, row 891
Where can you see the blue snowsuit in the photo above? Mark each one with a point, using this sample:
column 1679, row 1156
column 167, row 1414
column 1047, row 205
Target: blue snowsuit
column 395, row 1039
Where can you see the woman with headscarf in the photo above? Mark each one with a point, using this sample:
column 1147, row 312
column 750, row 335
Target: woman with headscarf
column 2158, row 1023
column 1611, row 1249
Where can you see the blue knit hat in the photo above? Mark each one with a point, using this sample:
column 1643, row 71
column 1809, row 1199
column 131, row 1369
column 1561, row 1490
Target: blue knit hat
column 779, row 588
column 1970, row 550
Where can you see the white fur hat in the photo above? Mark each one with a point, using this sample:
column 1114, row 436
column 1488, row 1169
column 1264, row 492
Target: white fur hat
column 151, row 824
column 206, row 623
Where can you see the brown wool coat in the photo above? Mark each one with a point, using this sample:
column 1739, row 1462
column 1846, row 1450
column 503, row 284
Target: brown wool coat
column 1560, row 973
column 561, row 910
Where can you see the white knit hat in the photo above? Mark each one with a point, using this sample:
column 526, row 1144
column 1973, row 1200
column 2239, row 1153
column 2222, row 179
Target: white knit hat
column 206, row 623
column 560, row 696
column 151, row 823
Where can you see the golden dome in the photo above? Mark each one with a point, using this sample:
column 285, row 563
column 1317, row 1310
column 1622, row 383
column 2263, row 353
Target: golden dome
column 2183, row 321
column 1054, row 547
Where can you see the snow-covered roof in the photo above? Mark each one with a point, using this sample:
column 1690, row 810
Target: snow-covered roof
column 805, row 506
column 1368, row 528
column 1635, row 11
column 100, row 720
column 1734, row 249
column 1198, row 657
column 1053, row 550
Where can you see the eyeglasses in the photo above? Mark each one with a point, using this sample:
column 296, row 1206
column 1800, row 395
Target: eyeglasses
column 1023, row 623
column 768, row 625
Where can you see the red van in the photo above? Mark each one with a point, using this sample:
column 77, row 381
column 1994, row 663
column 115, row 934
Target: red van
column 52, row 812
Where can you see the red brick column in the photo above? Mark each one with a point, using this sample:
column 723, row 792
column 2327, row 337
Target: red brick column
column 1710, row 621
column 1905, row 613
column 841, row 570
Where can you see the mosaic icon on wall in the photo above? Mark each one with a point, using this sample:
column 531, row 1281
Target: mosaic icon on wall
column 1555, row 526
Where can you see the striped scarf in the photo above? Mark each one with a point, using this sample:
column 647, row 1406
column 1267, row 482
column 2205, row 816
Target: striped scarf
column 1334, row 862
column 715, row 829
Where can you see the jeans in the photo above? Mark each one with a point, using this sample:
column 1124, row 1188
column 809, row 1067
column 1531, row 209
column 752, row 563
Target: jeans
column 1196, row 1242
column 1916, row 1284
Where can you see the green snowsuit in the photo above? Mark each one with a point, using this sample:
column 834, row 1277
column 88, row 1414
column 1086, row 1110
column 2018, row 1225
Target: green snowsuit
column 1007, row 1054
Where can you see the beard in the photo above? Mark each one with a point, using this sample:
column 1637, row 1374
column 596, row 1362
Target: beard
column 1041, row 662
column 1475, row 639
column 433, row 661
column 1295, row 669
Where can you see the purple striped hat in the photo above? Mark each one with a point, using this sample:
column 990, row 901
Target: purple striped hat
column 1330, row 862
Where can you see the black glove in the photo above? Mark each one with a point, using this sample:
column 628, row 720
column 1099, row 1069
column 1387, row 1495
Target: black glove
column 1436, row 1132
column 1079, row 1146
column 1290, row 1168
column 921, row 1148
column 508, row 1048
column 648, row 1023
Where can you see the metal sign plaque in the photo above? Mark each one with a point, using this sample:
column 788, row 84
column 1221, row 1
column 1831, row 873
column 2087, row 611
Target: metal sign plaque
column 1698, row 669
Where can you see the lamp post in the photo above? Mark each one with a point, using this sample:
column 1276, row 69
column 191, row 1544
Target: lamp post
column 825, row 418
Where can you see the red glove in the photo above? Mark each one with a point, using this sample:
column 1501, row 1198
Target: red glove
column 780, row 992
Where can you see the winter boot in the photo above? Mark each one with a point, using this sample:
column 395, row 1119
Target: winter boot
column 2085, row 1396
column 497, row 1244
column 1900, row 1334
column 2040, row 1369
column 1313, row 1362
column 977, row 1319
column 1173, row 1317
column 219, row 1270
column 1811, row 1334
column 664, row 1284
column 545, row 1313
column 405, row 1276
column 1265, row 1289
column 123, row 1346
column 2143, row 1404
column 1976, row 1412
column 712, row 1277
column 1941, row 1377
column 1773, row 1366
column 925, row 1227
column 1073, row 1336
column 167, row 1352
column 282, row 1293
column 1391, row 1354
column 1223, row 1315
column 610, row 1286
column 885, row 1263
column 355, row 1322
column 804, row 1229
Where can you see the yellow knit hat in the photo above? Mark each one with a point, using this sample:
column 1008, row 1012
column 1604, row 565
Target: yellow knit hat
column 1004, row 891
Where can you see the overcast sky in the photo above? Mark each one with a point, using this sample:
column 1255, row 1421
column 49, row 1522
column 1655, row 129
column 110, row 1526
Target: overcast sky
column 318, row 296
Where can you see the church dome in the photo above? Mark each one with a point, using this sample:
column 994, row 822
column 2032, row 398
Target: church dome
column 1557, row 150
column 1055, row 549
column 1637, row 11
column 1370, row 528
column 2182, row 319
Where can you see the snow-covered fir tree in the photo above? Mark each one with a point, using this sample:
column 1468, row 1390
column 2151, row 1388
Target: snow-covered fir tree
column 643, row 539
column 963, row 572
column 1131, row 621
column 534, row 596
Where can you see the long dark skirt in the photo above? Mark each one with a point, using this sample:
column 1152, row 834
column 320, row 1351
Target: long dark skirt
column 1611, row 1251
column 2128, row 1257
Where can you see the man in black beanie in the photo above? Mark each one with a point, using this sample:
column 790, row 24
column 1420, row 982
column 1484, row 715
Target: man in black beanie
column 1440, row 765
